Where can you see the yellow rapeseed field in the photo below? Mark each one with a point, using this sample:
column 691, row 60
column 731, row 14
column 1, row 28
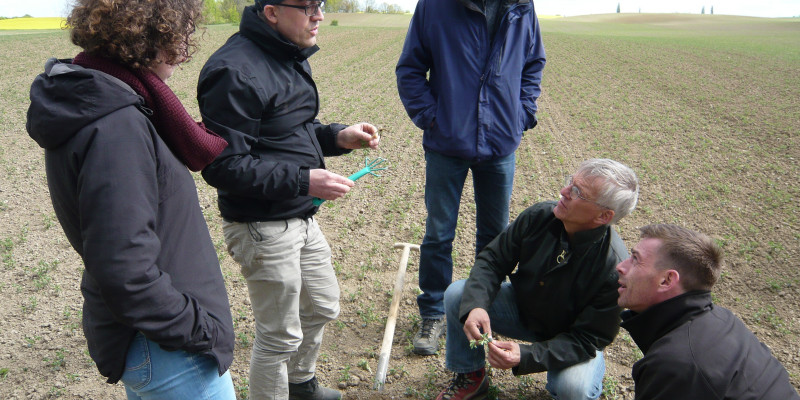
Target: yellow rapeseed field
column 32, row 23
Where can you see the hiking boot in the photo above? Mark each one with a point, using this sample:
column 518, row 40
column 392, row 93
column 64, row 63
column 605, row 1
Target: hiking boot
column 426, row 341
column 311, row 390
column 469, row 386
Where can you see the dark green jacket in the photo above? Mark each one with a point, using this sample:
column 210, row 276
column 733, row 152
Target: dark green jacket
column 566, row 290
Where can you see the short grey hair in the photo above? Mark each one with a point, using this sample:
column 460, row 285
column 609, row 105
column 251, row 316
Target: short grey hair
column 620, row 188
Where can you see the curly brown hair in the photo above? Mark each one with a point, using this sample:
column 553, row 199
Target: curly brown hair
column 132, row 32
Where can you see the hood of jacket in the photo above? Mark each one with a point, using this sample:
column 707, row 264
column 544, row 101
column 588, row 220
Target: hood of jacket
column 67, row 97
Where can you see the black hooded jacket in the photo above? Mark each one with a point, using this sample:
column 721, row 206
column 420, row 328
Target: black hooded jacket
column 694, row 349
column 130, row 209
column 257, row 93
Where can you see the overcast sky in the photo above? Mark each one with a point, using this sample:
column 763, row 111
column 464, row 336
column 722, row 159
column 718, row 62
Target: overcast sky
column 763, row 8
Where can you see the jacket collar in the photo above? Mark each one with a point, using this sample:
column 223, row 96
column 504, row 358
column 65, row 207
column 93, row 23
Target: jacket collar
column 584, row 239
column 272, row 42
column 658, row 320
column 479, row 5
column 581, row 241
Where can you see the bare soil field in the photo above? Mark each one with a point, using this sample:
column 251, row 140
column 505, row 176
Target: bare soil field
column 705, row 110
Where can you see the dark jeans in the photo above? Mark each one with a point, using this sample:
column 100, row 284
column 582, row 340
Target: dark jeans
column 493, row 181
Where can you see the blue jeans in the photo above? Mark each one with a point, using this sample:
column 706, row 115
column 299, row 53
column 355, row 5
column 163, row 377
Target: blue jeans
column 153, row 373
column 580, row 381
column 492, row 181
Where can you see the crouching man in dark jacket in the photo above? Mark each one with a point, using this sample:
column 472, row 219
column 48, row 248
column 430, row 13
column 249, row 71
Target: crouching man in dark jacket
column 562, row 294
column 692, row 348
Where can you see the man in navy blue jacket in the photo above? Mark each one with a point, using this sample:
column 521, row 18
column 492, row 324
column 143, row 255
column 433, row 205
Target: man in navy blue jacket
column 469, row 76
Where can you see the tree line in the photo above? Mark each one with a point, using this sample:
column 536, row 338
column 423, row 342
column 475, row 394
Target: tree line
column 702, row 11
column 230, row 11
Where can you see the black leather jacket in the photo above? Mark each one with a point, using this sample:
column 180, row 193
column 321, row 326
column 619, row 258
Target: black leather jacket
column 257, row 93
column 566, row 290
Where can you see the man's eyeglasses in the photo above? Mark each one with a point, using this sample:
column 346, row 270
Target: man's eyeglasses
column 576, row 192
column 310, row 10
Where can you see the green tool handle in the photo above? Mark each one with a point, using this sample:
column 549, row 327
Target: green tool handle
column 317, row 201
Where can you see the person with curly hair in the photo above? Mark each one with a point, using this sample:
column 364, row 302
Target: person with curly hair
column 118, row 149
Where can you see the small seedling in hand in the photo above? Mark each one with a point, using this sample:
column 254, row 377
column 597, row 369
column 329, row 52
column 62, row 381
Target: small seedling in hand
column 483, row 341
column 377, row 134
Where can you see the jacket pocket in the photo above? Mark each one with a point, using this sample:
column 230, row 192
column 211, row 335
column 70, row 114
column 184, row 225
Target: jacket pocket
column 527, row 118
column 498, row 66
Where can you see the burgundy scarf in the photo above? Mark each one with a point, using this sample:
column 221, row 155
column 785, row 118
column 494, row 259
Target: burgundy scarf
column 190, row 141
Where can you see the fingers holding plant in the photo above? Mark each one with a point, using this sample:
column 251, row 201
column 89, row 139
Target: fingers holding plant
column 503, row 355
column 362, row 135
column 483, row 341
column 477, row 325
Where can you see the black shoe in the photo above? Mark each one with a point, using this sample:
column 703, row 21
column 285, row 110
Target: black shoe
column 426, row 341
column 311, row 390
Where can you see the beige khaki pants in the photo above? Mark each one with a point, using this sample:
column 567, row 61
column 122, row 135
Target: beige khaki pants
column 293, row 292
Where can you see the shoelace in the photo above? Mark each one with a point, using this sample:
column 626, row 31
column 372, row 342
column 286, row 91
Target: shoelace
column 460, row 381
column 427, row 327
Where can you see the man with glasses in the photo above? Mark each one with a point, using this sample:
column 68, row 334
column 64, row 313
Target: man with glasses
column 561, row 297
column 257, row 92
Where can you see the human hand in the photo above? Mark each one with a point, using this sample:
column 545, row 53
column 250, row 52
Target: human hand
column 503, row 355
column 477, row 324
column 358, row 136
column 327, row 185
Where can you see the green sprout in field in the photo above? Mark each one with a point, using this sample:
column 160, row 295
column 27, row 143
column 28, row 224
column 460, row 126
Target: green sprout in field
column 483, row 341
